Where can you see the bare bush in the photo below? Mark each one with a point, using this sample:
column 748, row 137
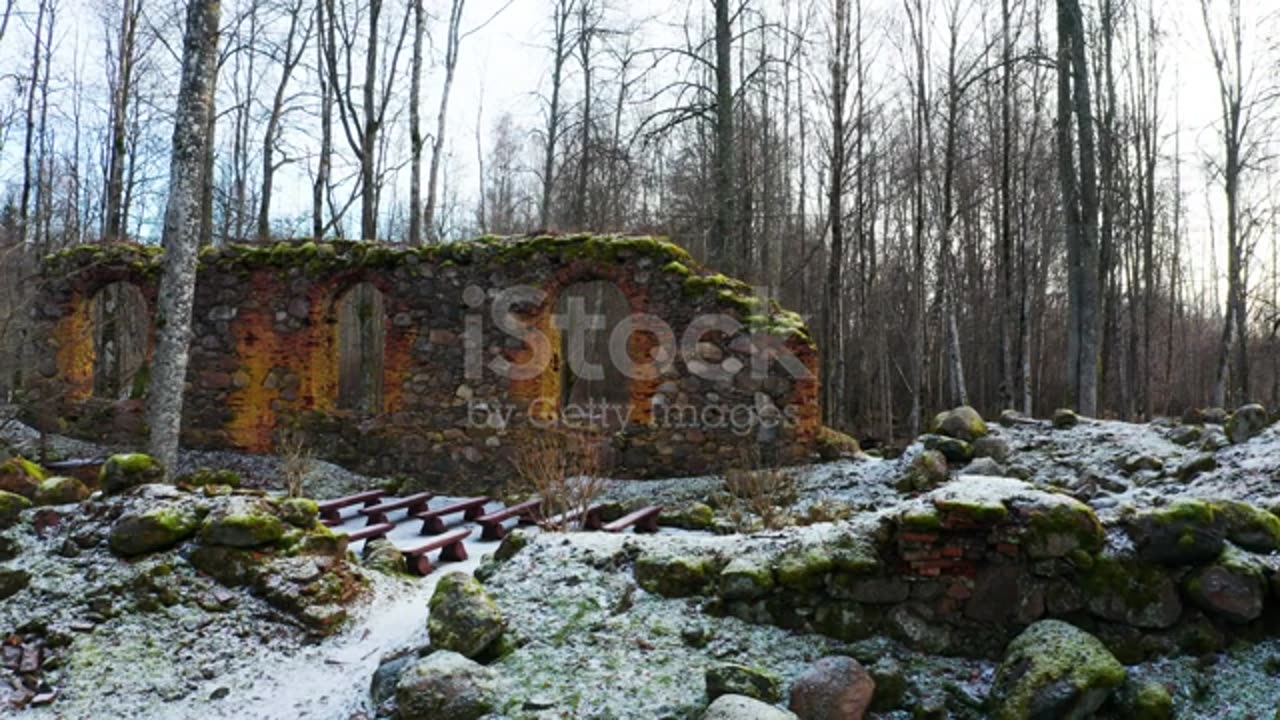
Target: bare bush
column 297, row 460
column 564, row 469
column 759, row 492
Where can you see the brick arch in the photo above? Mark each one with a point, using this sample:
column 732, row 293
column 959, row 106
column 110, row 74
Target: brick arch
column 73, row 334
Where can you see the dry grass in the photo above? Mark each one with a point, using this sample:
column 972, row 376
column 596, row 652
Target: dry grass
column 297, row 460
column 563, row 469
column 759, row 493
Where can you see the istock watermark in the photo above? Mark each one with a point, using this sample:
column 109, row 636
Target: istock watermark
column 768, row 351
column 740, row 419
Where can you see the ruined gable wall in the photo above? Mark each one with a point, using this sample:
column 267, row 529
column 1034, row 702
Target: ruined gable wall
column 264, row 355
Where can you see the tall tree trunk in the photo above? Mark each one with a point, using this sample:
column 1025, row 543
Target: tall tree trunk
column 453, row 44
column 182, row 229
column 721, row 242
column 415, row 125
column 113, row 226
column 559, row 47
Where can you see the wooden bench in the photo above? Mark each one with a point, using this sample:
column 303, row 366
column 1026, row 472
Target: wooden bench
column 492, row 523
column 433, row 520
column 371, row 531
column 645, row 520
column 331, row 510
column 451, row 550
column 413, row 503
column 591, row 518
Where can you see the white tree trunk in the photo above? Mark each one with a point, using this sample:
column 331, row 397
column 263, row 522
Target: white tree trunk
column 182, row 228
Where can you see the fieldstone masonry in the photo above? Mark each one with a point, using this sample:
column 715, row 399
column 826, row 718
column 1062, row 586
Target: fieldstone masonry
column 471, row 355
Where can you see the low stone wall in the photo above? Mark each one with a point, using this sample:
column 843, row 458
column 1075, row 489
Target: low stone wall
column 471, row 356
column 963, row 569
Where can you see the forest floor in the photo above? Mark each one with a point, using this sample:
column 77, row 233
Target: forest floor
column 590, row 643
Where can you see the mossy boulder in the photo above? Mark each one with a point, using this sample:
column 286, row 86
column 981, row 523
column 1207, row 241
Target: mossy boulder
column 1054, row 670
column 992, row 447
column 1184, row 532
column 463, row 617
column 158, row 528
column 21, row 477
column 382, row 555
column 1057, row 526
column 1065, row 419
column 1186, row 435
column 891, row 684
column 1149, row 701
column 13, row 581
column 746, row 578
column 242, row 522
column 1246, row 422
column 1233, row 587
column 954, row 449
column 204, row 477
column 804, row 567
column 834, row 445
column 962, row 423
column 1250, row 527
column 675, row 574
column 1192, row 467
column 229, row 566
column 689, row 516
column 741, row 707
column 121, row 472
column 927, row 470
column 299, row 512
column 11, row 506
column 1130, row 591
column 1138, row 462
column 445, row 685
column 737, row 679
column 61, row 491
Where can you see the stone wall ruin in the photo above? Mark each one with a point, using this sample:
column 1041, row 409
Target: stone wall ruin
column 426, row 362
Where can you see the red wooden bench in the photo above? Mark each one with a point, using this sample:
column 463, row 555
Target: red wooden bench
column 413, row 503
column 645, row 520
column 331, row 510
column 526, row 511
column 590, row 518
column 433, row 520
column 371, row 531
column 450, row 546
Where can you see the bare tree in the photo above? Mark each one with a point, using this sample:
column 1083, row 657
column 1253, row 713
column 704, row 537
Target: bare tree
column 182, row 228
column 453, row 42
column 561, row 49
column 295, row 45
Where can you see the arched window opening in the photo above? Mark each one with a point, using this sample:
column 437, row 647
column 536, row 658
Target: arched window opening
column 593, row 385
column 361, row 345
column 120, row 329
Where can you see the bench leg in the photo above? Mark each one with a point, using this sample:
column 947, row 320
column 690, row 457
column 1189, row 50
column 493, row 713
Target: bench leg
column 371, row 502
column 454, row 552
column 418, row 564
column 493, row 531
column 648, row 525
column 473, row 513
column 432, row 526
column 331, row 516
column 592, row 520
column 416, row 508
column 376, row 519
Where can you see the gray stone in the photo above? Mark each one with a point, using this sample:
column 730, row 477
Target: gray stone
column 736, row 679
column 463, row 617
column 1246, row 422
column 1054, row 670
column 833, row 688
column 740, row 707
column 445, row 686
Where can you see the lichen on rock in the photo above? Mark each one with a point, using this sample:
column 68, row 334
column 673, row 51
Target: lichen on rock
column 1056, row 670
column 154, row 529
column 463, row 617
column 121, row 472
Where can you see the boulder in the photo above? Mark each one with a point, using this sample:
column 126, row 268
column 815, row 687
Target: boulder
column 927, row 470
column 383, row 686
column 205, row 477
column 11, row 506
column 1054, row 670
column 963, row 423
column 1249, row 527
column 12, row 582
column 242, row 522
column 61, row 491
column 1132, row 592
column 1149, row 701
column 736, row 679
column 121, row 472
column 746, row 577
column 1233, row 587
column 1142, row 463
column 740, row 707
column 1184, row 532
column 1194, row 466
column 158, row 528
column 1213, row 416
column 984, row 466
column 833, row 688
column 299, row 512
column 382, row 555
column 1065, row 418
column 445, row 686
column 954, row 449
column 690, row 516
column 463, row 617
column 805, row 566
column 992, row 447
column 891, row 684
column 1186, row 435
column 21, row 477
column 674, row 574
column 1246, row 422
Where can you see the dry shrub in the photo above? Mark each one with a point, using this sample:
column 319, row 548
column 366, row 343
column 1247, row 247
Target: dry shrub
column 297, row 460
column 759, row 492
column 564, row 469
